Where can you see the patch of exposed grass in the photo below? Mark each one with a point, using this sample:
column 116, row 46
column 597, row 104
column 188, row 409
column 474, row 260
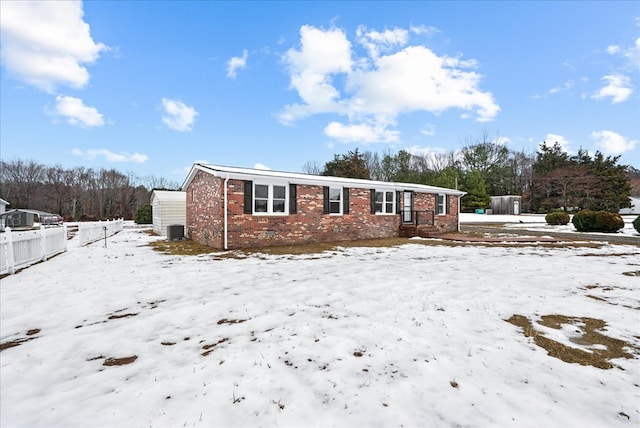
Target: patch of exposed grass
column 190, row 248
column 632, row 273
column 185, row 247
column 120, row 361
column 610, row 254
column 591, row 337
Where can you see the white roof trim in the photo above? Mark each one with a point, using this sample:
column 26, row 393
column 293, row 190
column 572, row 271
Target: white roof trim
column 169, row 195
column 2, row 201
column 318, row 180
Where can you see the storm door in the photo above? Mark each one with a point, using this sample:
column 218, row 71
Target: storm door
column 407, row 207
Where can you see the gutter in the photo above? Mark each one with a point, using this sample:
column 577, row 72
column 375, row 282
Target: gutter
column 459, row 206
column 226, row 209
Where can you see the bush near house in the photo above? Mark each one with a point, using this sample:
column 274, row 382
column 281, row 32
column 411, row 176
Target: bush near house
column 144, row 215
column 597, row 221
column 557, row 218
column 636, row 224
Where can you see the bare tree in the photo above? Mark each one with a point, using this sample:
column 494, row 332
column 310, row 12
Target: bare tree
column 20, row 182
column 312, row 168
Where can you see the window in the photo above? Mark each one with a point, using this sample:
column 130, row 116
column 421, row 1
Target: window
column 335, row 200
column 441, row 204
column 269, row 199
column 383, row 202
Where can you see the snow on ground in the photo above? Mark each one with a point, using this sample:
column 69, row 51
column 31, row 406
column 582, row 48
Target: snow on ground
column 536, row 222
column 406, row 336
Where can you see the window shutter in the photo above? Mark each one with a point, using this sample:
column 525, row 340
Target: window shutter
column 248, row 197
column 293, row 202
column 325, row 207
column 373, row 201
column 446, row 204
column 398, row 202
column 345, row 200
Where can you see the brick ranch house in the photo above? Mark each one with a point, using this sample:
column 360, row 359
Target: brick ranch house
column 230, row 208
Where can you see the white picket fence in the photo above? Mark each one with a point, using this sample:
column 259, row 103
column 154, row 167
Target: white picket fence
column 97, row 230
column 24, row 248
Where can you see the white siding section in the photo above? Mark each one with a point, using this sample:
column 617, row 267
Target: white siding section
column 168, row 207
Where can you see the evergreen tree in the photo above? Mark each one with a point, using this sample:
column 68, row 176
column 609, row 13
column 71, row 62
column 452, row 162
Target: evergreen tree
column 579, row 181
column 351, row 165
column 477, row 196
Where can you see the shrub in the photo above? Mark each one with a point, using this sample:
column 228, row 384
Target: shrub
column 597, row 221
column 144, row 215
column 557, row 217
column 636, row 224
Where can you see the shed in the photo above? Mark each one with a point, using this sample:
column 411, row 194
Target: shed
column 168, row 208
column 506, row 204
column 3, row 205
column 18, row 218
column 3, row 208
column 635, row 206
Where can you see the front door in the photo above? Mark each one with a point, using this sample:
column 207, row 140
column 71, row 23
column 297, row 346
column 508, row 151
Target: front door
column 516, row 207
column 407, row 207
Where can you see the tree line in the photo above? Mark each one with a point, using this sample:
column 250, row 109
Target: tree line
column 76, row 193
column 547, row 180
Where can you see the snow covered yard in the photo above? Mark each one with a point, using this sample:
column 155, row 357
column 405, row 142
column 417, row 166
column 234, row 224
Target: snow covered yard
column 401, row 336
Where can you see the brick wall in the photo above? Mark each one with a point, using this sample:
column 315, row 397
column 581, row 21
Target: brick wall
column 205, row 217
column 441, row 223
column 205, row 211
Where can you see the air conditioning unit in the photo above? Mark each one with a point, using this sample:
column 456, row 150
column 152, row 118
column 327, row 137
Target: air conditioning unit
column 175, row 232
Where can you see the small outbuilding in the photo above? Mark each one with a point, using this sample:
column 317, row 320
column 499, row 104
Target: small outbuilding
column 635, row 206
column 3, row 205
column 168, row 208
column 507, row 204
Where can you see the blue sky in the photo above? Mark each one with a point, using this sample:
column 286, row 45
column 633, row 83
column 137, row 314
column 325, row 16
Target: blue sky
column 151, row 87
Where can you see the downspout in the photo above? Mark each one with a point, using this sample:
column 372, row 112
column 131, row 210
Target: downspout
column 226, row 209
column 459, row 202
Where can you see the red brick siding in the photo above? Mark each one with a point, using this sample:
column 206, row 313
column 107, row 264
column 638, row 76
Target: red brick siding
column 205, row 211
column 205, row 217
column 442, row 223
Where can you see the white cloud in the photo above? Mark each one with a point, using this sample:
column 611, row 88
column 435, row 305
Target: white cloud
column 612, row 143
column 618, row 88
column 110, row 156
column 322, row 54
column 567, row 85
column 426, row 152
column 261, row 166
column 361, row 133
column 630, row 54
column 376, row 42
column 424, row 29
column 613, row 49
column 372, row 90
column 178, row 115
column 551, row 139
column 77, row 113
column 416, row 79
column 429, row 130
column 237, row 63
column 47, row 43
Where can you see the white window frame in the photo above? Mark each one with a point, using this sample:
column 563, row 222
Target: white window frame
column 385, row 202
column 340, row 200
column 441, row 206
column 270, row 198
